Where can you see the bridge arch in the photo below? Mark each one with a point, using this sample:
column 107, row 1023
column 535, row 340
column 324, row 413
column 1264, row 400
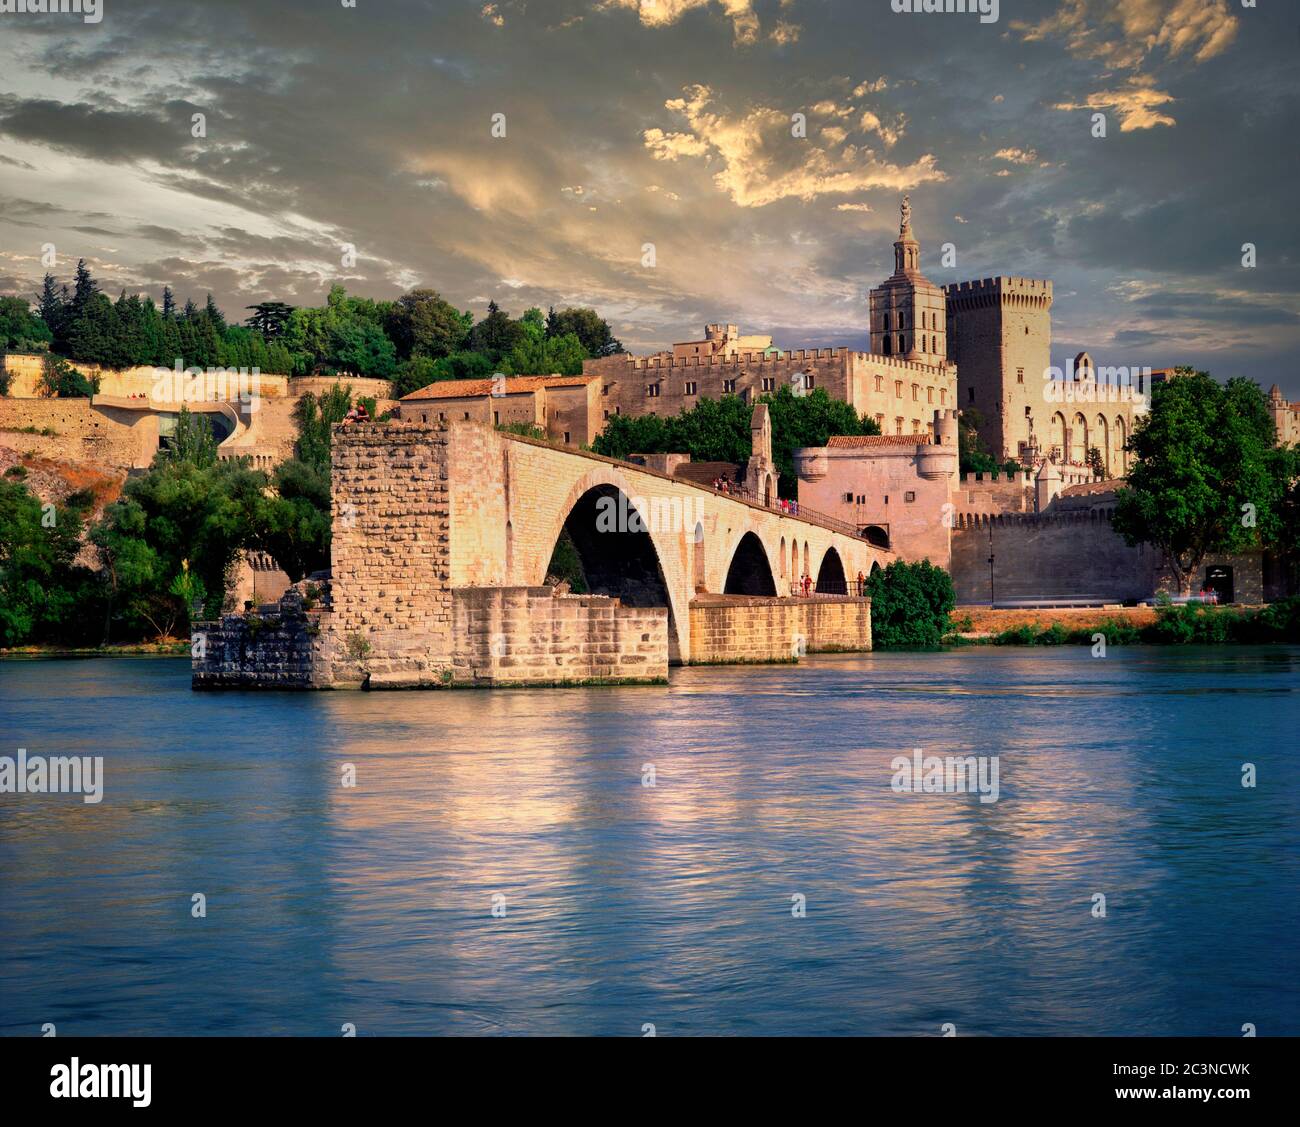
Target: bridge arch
column 623, row 555
column 830, row 576
column 750, row 571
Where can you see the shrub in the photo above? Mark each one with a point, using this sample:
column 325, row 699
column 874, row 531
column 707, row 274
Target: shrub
column 910, row 604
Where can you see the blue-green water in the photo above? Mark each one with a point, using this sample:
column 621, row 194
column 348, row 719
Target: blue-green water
column 670, row 905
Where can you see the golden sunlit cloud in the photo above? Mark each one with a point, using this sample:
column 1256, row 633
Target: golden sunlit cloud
column 760, row 164
column 1136, row 106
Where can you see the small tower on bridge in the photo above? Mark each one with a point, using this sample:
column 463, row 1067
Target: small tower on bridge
column 760, row 471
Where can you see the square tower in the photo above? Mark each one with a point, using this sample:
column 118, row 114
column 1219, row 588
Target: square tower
column 1000, row 337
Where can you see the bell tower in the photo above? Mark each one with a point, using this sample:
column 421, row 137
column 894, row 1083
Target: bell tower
column 908, row 312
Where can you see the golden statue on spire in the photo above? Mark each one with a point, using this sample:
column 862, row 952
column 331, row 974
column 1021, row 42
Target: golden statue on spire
column 906, row 213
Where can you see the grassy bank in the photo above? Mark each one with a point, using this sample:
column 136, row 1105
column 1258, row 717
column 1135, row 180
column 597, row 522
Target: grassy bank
column 1168, row 625
column 179, row 648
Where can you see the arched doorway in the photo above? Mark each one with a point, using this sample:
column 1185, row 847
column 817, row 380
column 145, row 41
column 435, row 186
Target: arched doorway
column 830, row 576
column 750, row 573
column 876, row 535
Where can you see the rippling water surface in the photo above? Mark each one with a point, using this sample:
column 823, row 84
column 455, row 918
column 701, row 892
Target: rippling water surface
column 628, row 904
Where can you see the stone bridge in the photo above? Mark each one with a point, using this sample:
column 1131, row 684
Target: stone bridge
column 443, row 536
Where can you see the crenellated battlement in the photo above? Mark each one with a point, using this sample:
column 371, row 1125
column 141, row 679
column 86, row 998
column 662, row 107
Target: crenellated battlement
column 964, row 521
column 1006, row 291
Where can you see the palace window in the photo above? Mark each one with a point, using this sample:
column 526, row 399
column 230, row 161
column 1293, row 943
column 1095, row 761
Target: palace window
column 652, row 391
column 604, row 389
column 880, row 383
column 970, row 395
column 1020, row 375
column 898, row 425
column 769, row 383
column 566, row 438
column 728, row 385
column 902, row 344
column 909, row 496
column 848, row 497
column 880, row 422
column 898, row 389
column 607, row 414
column 809, row 381
column 496, row 418
column 690, row 388
column 916, row 393
column 929, row 395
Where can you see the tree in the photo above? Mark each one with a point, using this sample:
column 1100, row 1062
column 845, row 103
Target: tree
column 1208, row 475
column 1095, row 463
column 496, row 334
column 294, row 525
column 59, row 378
column 169, row 304
column 20, row 329
column 181, row 517
column 192, row 441
column 52, row 307
column 910, row 605
column 270, row 318
column 588, row 326
column 421, row 323
column 316, row 418
column 38, row 549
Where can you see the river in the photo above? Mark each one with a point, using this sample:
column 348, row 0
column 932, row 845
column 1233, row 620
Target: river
column 502, row 866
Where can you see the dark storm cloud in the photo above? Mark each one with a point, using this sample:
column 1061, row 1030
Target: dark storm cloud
column 371, row 126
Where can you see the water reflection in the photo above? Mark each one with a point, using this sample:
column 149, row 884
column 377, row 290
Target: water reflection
column 670, row 904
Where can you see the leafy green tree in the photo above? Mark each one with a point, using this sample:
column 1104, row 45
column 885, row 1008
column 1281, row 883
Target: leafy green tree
column 179, row 517
column 38, row 575
column 910, row 605
column 192, row 441
column 586, row 324
column 422, row 324
column 60, row 378
column 316, row 417
column 20, row 329
column 294, row 525
column 1208, row 476
column 496, row 334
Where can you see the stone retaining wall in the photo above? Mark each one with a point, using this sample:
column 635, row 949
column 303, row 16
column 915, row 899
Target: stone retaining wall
column 743, row 628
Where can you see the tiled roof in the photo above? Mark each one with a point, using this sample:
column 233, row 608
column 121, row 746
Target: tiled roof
column 843, row 440
column 514, row 385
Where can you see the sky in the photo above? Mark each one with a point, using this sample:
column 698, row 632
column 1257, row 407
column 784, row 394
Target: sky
column 668, row 125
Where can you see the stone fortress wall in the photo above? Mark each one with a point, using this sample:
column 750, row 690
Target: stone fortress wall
column 1074, row 556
